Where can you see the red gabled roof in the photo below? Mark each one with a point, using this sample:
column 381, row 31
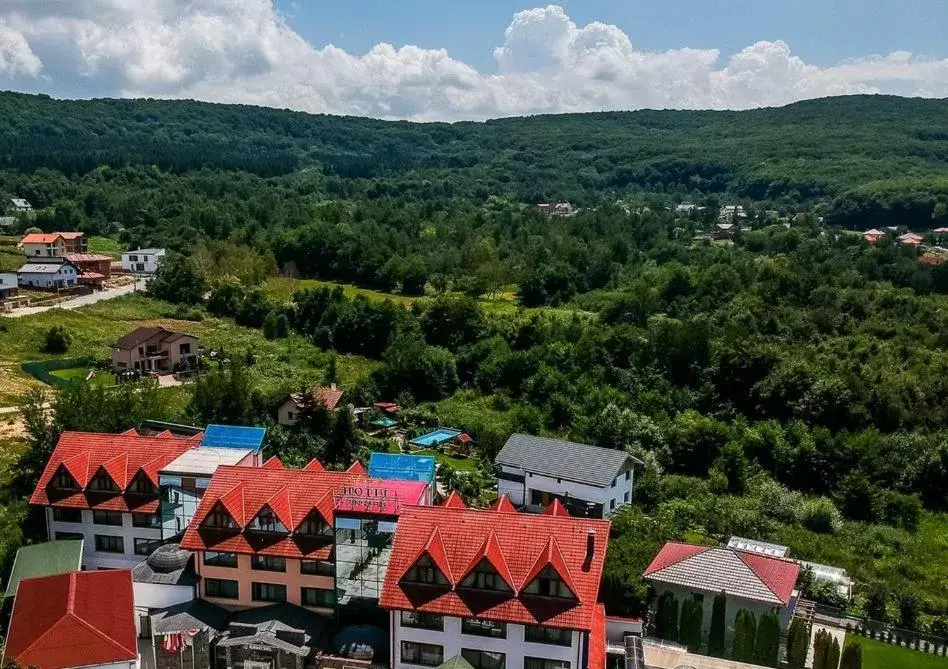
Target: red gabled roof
column 778, row 575
column 328, row 397
column 550, row 556
column 357, row 468
column 274, row 463
column 523, row 540
column 314, row 465
column 490, row 551
column 292, row 494
column 597, row 640
column 671, row 553
column 122, row 456
column 454, row 501
column 73, row 620
column 73, row 235
column 40, row 238
column 555, row 508
column 503, row 505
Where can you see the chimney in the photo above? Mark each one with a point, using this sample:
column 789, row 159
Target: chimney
column 332, row 386
column 590, row 544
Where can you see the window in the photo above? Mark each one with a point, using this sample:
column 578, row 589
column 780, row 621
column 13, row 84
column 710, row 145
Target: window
column 268, row 592
column 289, row 416
column 425, row 654
column 314, row 525
column 628, row 475
column 483, row 659
column 217, row 587
column 141, row 485
column 319, row 597
column 267, row 563
column 548, row 584
column 107, row 518
column 548, row 635
column 67, row 515
column 102, row 482
column 316, row 568
column 215, row 559
column 544, row 663
column 479, row 627
column 612, row 504
column 64, row 481
column 266, row 521
column 109, row 544
column 146, row 520
column 485, row 577
column 424, row 572
column 133, row 258
column 146, row 546
column 68, row 536
column 625, row 497
column 423, row 621
column 185, row 349
column 219, row 518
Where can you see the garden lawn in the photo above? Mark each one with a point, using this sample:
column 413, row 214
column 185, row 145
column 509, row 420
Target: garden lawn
column 106, row 246
column 459, row 464
column 880, row 655
column 79, row 374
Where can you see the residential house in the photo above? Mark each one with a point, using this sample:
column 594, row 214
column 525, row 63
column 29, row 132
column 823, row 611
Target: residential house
column 289, row 411
column 911, row 239
column 564, row 209
column 142, row 261
column 732, row 213
column 155, row 349
column 724, row 230
column 7, row 224
column 80, row 619
column 491, row 590
column 9, row 285
column 45, row 559
column 751, row 580
column 76, row 242
column 20, row 206
column 103, row 489
column 93, row 267
column 48, row 275
column 43, row 246
column 588, row 480
column 164, row 579
column 873, row 236
column 303, row 536
column 686, row 208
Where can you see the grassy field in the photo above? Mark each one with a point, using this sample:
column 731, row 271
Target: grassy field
column 879, row 655
column 460, row 464
column 80, row 373
column 280, row 365
column 106, row 246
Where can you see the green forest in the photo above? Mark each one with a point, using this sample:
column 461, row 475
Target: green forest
column 788, row 384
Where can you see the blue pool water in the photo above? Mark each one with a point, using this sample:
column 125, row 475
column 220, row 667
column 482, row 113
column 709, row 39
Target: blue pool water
column 439, row 436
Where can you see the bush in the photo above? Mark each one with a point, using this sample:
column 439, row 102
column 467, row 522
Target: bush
column 852, row 656
column 56, row 340
column 767, row 644
column 798, row 643
column 819, row 515
column 276, row 326
column 718, row 625
column 745, row 636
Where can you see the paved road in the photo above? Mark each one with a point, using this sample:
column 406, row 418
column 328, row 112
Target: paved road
column 81, row 301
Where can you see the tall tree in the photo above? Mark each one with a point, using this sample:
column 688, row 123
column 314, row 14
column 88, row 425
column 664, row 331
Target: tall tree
column 798, row 643
column 745, row 635
column 718, row 626
column 852, row 656
column 767, row 643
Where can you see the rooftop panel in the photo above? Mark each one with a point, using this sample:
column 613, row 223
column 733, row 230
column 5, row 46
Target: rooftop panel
column 234, row 436
column 397, row 466
column 204, row 460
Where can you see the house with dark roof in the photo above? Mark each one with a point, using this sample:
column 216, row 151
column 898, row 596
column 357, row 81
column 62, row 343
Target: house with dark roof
column 104, row 489
column 156, row 349
column 79, row 619
column 752, row 580
column 588, row 480
column 309, row 537
column 497, row 588
column 164, row 579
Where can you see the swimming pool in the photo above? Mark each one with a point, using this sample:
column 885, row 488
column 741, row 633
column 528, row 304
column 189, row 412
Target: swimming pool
column 436, row 438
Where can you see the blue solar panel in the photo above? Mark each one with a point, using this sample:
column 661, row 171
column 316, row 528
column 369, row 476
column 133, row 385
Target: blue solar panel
column 234, row 436
column 402, row 467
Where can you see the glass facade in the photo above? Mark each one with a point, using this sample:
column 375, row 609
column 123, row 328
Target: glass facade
column 363, row 551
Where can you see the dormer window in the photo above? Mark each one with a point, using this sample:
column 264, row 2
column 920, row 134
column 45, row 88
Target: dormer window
column 424, row 572
column 485, row 577
column 218, row 518
column 102, row 482
column 63, row 480
column 267, row 521
column 549, row 584
column 141, row 485
column 314, row 526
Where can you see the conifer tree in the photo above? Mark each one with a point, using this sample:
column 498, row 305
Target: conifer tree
column 718, row 625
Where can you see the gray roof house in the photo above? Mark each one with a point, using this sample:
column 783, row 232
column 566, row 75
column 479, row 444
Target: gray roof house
column 587, row 480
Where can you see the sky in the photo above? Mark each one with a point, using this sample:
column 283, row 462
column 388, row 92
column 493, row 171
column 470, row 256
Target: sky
column 470, row 60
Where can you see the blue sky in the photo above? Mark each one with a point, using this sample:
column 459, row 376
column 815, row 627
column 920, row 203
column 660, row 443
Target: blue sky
column 450, row 60
column 822, row 32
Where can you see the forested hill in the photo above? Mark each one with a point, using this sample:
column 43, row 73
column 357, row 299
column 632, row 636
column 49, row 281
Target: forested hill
column 877, row 148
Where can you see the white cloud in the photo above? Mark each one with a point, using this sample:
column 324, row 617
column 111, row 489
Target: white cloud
column 244, row 51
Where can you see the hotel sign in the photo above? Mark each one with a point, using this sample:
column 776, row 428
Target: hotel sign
column 372, row 499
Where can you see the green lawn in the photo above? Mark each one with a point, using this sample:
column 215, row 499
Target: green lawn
column 282, row 289
column 879, row 655
column 460, row 464
column 79, row 373
column 106, row 246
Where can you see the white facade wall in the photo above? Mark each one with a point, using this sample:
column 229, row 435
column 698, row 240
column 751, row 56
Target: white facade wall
column 64, row 277
column 93, row 559
column 611, row 498
column 156, row 596
column 133, row 664
column 514, row 646
column 142, row 262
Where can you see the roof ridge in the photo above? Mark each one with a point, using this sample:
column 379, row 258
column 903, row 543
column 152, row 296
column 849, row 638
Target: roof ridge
column 704, row 549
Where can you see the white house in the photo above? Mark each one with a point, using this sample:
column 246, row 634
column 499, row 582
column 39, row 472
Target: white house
column 20, row 206
column 142, row 261
column 48, row 275
column 588, row 480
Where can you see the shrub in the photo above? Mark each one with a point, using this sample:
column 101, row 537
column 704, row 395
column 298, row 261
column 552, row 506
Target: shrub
column 852, row 656
column 798, row 643
column 745, row 635
column 718, row 624
column 689, row 626
column 276, row 326
column 819, row 515
column 56, row 340
column 822, row 647
column 767, row 643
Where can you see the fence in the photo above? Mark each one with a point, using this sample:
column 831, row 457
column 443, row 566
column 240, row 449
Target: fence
column 42, row 369
column 880, row 631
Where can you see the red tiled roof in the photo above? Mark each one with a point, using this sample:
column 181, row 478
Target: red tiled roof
column 87, row 257
column 597, row 640
column 527, row 544
column 314, row 465
column 122, row 456
column 357, row 468
column 490, row 551
column 555, row 508
column 274, row 463
column 290, row 493
column 73, row 620
column 465, row 438
column 328, row 397
column 735, row 572
column 40, row 238
column 503, row 505
column 72, row 235
column 454, row 501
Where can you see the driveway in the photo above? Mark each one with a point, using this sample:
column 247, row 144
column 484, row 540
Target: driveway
column 81, row 301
